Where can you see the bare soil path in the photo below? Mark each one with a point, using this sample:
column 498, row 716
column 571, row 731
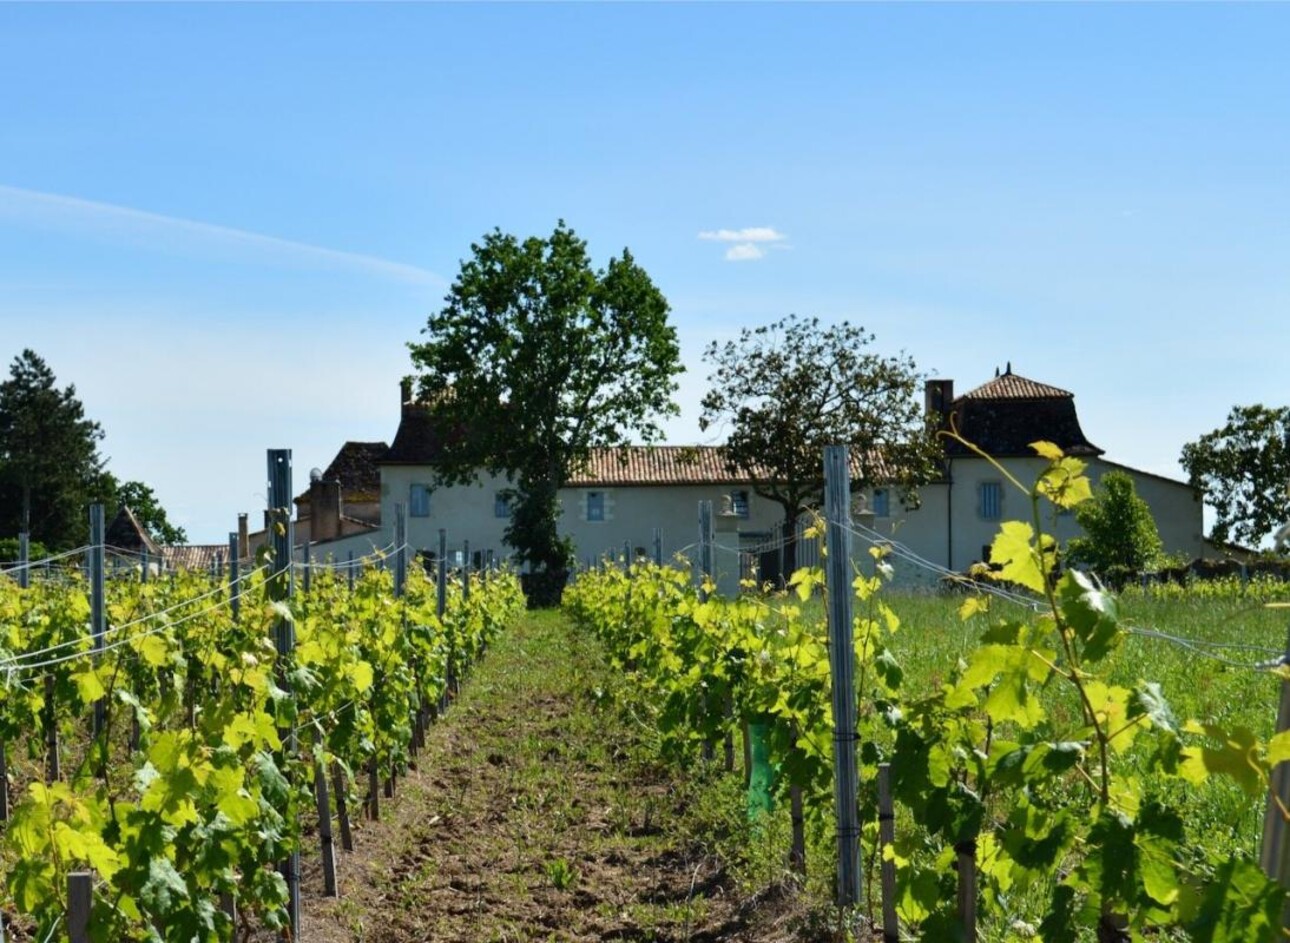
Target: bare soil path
column 532, row 816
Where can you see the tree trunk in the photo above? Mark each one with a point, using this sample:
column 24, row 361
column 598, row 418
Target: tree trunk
column 789, row 537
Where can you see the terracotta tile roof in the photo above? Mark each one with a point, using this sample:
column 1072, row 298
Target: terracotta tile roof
column 193, row 556
column 417, row 441
column 668, row 465
column 1002, row 417
column 355, row 467
column 655, row 465
column 1013, row 386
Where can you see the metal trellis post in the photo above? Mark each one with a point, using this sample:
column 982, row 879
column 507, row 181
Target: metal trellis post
column 98, row 611
column 837, row 512
column 281, row 587
column 234, row 586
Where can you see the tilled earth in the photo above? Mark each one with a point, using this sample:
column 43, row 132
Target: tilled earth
column 530, row 817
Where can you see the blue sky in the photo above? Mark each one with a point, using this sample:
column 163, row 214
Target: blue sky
column 224, row 222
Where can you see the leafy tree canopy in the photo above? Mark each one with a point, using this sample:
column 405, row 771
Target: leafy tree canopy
column 142, row 500
column 784, row 391
column 50, row 468
column 1243, row 468
column 1120, row 535
column 535, row 359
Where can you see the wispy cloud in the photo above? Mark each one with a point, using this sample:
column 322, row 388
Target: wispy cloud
column 744, row 252
column 750, row 234
column 125, row 223
column 749, row 244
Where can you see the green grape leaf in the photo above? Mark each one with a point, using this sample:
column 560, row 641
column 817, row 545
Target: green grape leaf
column 152, row 649
column 1048, row 450
column 1236, row 756
column 88, row 685
column 1148, row 699
column 1014, row 553
column 1279, row 748
column 1238, row 904
column 164, row 888
column 1091, row 612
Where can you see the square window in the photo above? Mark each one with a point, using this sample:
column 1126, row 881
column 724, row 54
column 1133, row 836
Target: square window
column 501, row 505
column 735, row 505
column 881, row 502
column 990, row 500
column 419, row 501
column 595, row 505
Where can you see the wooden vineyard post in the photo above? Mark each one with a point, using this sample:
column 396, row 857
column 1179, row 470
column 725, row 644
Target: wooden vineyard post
column 965, row 852
column 326, row 842
column 342, row 807
column 350, row 571
column 373, row 791
column 53, row 767
column 308, row 567
column 837, row 581
column 886, row 836
column 80, row 900
column 280, row 588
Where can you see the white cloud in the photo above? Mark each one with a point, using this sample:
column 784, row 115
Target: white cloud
column 126, row 223
column 744, row 252
column 750, row 234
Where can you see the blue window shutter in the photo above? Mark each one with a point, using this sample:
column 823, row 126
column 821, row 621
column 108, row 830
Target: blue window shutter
column 991, row 500
column 419, row 501
column 881, row 502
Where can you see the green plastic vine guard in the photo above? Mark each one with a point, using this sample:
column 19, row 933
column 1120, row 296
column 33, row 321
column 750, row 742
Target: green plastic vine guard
column 761, row 778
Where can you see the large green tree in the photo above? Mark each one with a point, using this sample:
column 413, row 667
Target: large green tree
column 1244, row 470
column 1120, row 535
column 142, row 500
column 50, row 468
column 783, row 391
column 535, row 359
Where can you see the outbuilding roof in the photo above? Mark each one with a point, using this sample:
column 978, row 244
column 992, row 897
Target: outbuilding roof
column 655, row 465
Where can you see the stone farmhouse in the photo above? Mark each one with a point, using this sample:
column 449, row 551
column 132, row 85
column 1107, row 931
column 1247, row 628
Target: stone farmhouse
column 622, row 495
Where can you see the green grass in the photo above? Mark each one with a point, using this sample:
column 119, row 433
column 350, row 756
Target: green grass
column 1211, row 685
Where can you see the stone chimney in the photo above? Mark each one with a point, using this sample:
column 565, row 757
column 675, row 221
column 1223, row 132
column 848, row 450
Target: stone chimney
column 243, row 538
column 938, row 396
column 324, row 509
column 405, row 391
